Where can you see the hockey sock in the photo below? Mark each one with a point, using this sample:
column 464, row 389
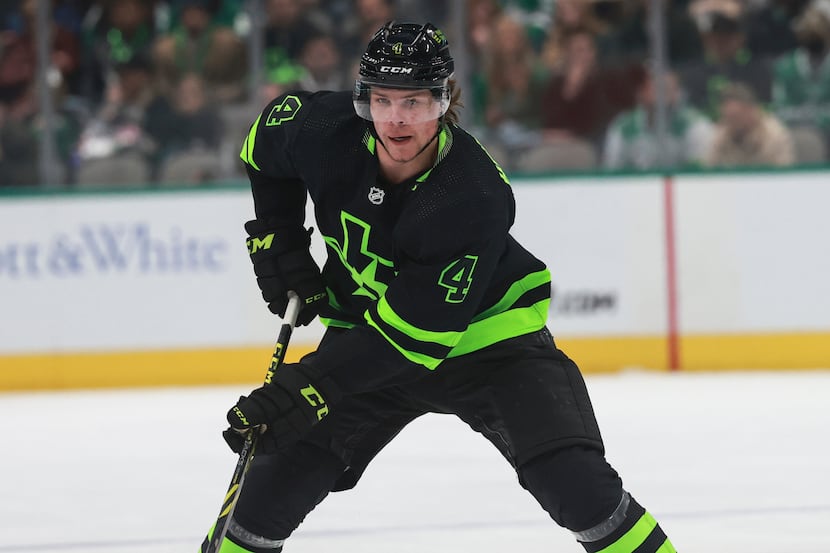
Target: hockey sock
column 630, row 528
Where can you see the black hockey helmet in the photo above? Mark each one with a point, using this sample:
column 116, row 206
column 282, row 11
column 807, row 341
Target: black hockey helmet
column 405, row 56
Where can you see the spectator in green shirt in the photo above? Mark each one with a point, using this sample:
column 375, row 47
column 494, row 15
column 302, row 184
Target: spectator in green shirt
column 801, row 85
column 631, row 141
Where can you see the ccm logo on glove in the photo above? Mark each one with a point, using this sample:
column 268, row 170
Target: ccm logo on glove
column 285, row 409
column 313, row 397
column 282, row 262
column 259, row 243
column 241, row 416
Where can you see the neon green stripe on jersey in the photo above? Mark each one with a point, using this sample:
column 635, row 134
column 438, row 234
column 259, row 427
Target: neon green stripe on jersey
column 632, row 539
column 247, row 153
column 429, row 362
column 511, row 323
column 387, row 314
column 370, row 141
column 496, row 163
column 515, row 291
column 444, row 145
column 336, row 323
column 335, row 305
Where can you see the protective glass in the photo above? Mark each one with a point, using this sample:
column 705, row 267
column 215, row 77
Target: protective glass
column 381, row 104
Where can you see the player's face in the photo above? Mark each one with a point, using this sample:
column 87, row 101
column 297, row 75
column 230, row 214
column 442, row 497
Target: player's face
column 405, row 120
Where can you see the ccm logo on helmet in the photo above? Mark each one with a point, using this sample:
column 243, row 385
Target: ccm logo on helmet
column 391, row 69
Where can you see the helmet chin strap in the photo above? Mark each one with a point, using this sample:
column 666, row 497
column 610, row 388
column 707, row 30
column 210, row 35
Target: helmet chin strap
column 431, row 140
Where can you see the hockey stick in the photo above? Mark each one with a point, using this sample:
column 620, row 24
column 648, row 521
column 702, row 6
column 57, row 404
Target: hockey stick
column 220, row 529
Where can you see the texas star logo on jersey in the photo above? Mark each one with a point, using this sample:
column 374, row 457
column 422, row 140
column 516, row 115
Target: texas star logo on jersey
column 376, row 195
column 371, row 272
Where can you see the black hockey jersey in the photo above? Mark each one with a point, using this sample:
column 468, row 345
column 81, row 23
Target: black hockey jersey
column 421, row 270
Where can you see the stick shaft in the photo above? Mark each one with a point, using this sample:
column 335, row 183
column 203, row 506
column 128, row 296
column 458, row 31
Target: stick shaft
column 220, row 529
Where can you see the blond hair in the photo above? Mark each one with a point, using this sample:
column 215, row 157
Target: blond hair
column 455, row 102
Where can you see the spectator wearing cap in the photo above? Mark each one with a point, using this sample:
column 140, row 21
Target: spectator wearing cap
column 726, row 56
column 199, row 45
column 801, row 85
column 746, row 135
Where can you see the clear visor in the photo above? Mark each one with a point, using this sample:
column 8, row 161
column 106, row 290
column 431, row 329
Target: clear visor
column 400, row 105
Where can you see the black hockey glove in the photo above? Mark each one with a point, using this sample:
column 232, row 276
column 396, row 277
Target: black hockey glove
column 282, row 262
column 285, row 409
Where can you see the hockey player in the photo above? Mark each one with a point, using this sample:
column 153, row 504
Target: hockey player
column 430, row 306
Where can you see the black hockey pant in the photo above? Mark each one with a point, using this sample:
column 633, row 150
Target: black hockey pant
column 524, row 395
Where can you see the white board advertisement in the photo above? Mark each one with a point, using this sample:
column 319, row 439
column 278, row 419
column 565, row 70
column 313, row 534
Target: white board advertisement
column 604, row 244
column 129, row 271
column 169, row 269
column 754, row 253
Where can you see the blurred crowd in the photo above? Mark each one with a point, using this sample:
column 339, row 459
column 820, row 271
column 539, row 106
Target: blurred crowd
column 163, row 91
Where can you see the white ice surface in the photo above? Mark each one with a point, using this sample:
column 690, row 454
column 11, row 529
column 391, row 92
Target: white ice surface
column 728, row 463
